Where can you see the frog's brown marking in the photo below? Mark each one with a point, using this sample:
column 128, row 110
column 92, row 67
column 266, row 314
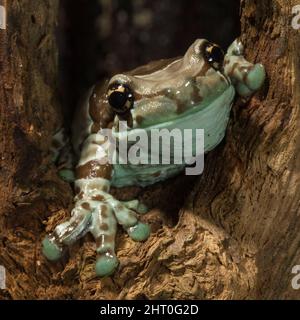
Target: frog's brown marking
column 86, row 206
column 231, row 72
column 104, row 226
column 94, row 169
column 137, row 97
column 204, row 70
column 104, row 211
column 126, row 117
column 245, row 70
column 96, row 100
column 79, row 195
column 151, row 67
column 156, row 174
column 95, row 127
column 139, row 119
column 181, row 106
column 98, row 197
column 99, row 109
column 226, row 62
column 104, row 238
column 77, row 190
column 119, row 207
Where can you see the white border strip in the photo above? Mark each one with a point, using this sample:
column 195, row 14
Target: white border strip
column 2, row 18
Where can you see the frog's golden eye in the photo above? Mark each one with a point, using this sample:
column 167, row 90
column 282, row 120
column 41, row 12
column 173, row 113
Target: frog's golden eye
column 120, row 97
column 214, row 55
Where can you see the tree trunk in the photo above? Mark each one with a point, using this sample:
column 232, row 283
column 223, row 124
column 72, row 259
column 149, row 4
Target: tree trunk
column 230, row 233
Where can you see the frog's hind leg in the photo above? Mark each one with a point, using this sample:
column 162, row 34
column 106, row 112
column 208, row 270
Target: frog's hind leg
column 127, row 218
column 68, row 232
column 63, row 155
column 103, row 228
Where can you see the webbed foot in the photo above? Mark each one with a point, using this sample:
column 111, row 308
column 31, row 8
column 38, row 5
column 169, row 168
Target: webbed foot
column 100, row 218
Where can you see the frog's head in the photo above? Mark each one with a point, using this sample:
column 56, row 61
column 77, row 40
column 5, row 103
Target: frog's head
column 166, row 90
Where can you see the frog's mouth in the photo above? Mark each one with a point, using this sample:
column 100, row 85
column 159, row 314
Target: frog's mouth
column 213, row 118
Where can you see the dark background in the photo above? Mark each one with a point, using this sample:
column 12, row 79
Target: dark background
column 99, row 38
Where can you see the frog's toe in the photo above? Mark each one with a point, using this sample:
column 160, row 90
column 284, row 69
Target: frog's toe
column 67, row 175
column 139, row 232
column 106, row 264
column 51, row 250
column 256, row 77
column 141, row 208
column 136, row 205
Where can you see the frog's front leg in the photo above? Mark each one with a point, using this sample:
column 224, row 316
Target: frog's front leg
column 96, row 211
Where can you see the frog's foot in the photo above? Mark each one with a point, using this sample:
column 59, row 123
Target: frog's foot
column 100, row 218
column 88, row 216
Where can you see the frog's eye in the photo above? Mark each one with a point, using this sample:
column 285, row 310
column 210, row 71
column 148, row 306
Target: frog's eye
column 120, row 97
column 214, row 55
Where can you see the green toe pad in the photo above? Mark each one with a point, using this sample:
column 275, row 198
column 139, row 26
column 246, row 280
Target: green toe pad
column 139, row 232
column 106, row 265
column 142, row 208
column 256, row 77
column 50, row 250
column 67, row 175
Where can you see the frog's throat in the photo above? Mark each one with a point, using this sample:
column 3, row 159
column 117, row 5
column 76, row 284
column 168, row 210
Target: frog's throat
column 213, row 119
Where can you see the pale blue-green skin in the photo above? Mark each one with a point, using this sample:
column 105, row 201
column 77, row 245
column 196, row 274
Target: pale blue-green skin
column 211, row 114
column 213, row 118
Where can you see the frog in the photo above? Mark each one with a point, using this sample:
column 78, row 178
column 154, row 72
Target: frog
column 196, row 90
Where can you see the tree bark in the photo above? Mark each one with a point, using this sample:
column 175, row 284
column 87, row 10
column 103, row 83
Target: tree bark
column 231, row 233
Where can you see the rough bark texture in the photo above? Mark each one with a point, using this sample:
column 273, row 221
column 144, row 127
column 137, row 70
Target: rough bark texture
column 231, row 233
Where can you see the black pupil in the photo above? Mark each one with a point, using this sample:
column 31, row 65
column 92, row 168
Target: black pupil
column 215, row 54
column 118, row 99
